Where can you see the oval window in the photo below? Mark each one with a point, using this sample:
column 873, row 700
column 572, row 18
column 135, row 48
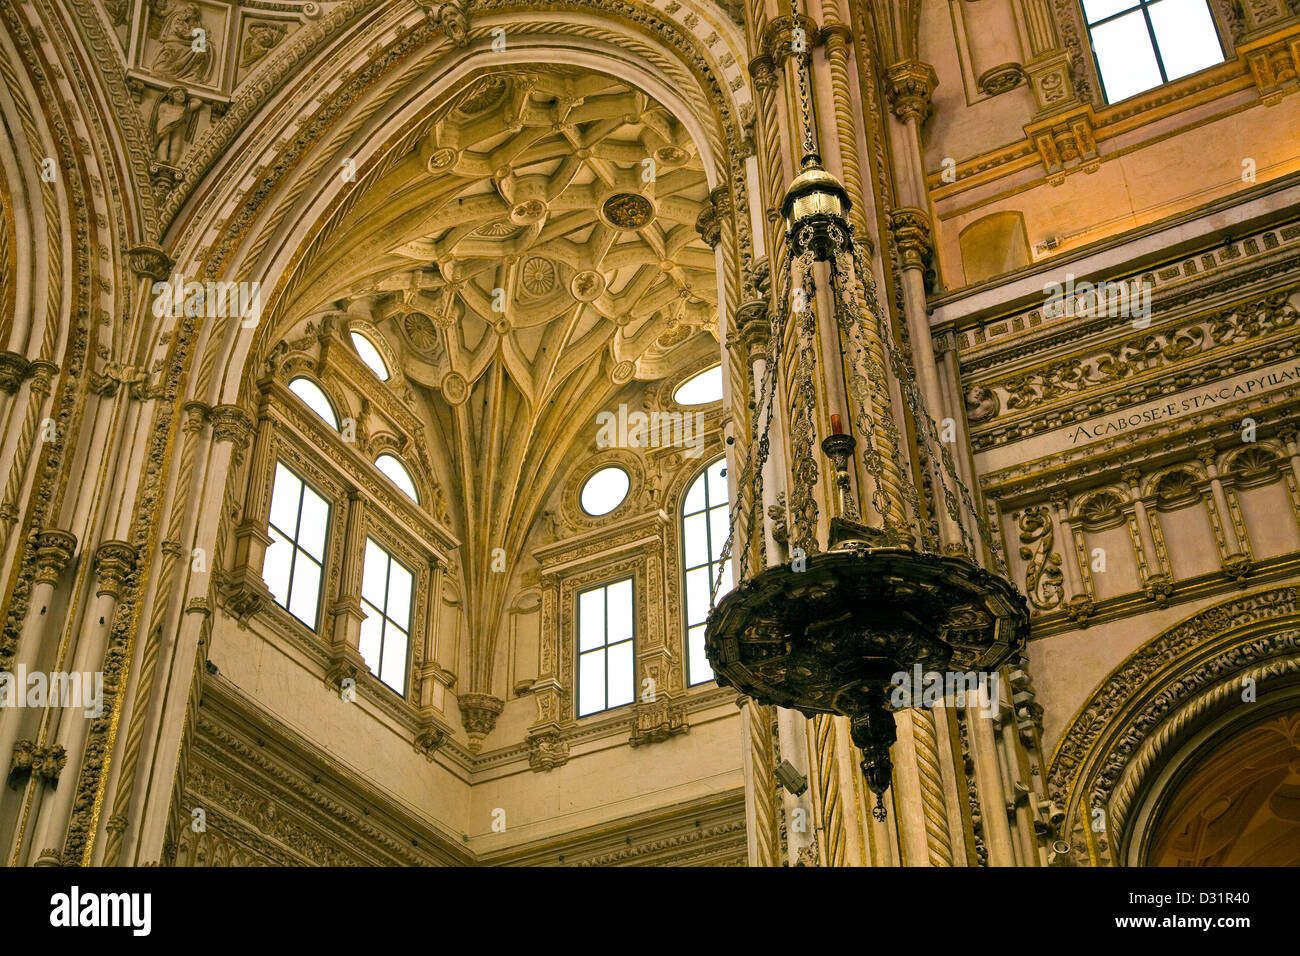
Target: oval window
column 700, row 389
column 370, row 355
column 604, row 491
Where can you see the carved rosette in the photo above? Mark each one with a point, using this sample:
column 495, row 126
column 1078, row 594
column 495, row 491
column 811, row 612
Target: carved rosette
column 910, row 84
column 546, row 751
column 114, row 561
column 479, row 713
column 54, row 550
column 148, row 261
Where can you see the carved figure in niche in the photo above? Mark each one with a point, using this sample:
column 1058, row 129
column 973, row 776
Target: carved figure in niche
column 186, row 52
column 262, row 38
column 981, row 403
column 175, row 116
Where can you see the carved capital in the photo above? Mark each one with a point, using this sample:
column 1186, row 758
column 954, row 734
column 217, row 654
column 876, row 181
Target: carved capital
column 910, row 85
column 763, row 72
column 430, row 738
column 196, row 413
column 479, row 713
column 753, row 328
column 243, row 593
column 784, row 37
column 42, row 375
column 233, row 424
column 54, row 550
column 148, row 261
column 910, row 228
column 1131, row 476
column 1158, row 589
column 709, row 226
column 114, row 561
column 1238, row 567
column 1207, row 457
column 13, row 369
column 546, row 751
column 837, row 37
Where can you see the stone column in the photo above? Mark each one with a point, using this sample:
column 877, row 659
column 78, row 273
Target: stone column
column 1155, row 577
column 1235, row 562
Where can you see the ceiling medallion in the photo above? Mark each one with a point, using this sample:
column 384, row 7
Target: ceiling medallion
column 454, row 388
column 627, row 211
column 528, row 212
column 538, row 275
column 671, row 156
column 622, row 373
column 587, row 285
column 442, row 159
column 420, row 332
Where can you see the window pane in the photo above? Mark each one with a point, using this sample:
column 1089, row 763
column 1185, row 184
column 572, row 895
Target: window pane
column 370, row 355
column 372, row 629
column 275, row 567
column 284, row 499
column 398, row 475
column 373, row 574
column 591, row 682
column 694, row 497
column 717, row 482
column 697, row 595
column 620, row 674
column 1186, row 36
column 399, row 596
column 695, row 542
column 1096, row 10
column 604, row 491
column 315, row 399
column 620, row 612
column 393, row 670
column 1124, row 56
column 305, row 592
column 315, row 520
column 700, row 671
column 591, row 619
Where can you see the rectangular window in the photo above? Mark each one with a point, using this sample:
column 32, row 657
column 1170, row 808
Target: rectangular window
column 386, row 588
column 606, row 672
column 296, row 556
column 1140, row 44
column 706, row 518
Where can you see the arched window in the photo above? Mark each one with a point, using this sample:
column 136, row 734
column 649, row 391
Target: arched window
column 315, row 399
column 369, row 353
column 700, row 389
column 398, row 475
column 1140, row 44
column 705, row 518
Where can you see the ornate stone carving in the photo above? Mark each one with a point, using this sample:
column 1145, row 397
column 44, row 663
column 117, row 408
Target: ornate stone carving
column 910, row 228
column 547, row 750
column 910, row 85
column 13, row 369
column 41, row 763
column 657, row 721
column 1043, row 578
column 429, row 739
column 231, row 423
column 1273, row 62
column 172, row 124
column 1001, row 79
column 150, row 262
column 1066, row 143
column 479, row 713
column 186, row 47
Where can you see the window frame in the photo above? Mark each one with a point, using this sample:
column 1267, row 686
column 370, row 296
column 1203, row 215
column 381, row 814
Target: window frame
column 1144, row 6
column 278, row 461
column 700, row 475
column 412, row 618
column 605, row 647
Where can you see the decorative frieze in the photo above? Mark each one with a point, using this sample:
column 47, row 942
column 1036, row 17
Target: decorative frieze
column 657, row 721
column 547, row 750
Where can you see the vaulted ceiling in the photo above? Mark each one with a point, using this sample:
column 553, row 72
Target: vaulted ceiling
column 530, row 251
